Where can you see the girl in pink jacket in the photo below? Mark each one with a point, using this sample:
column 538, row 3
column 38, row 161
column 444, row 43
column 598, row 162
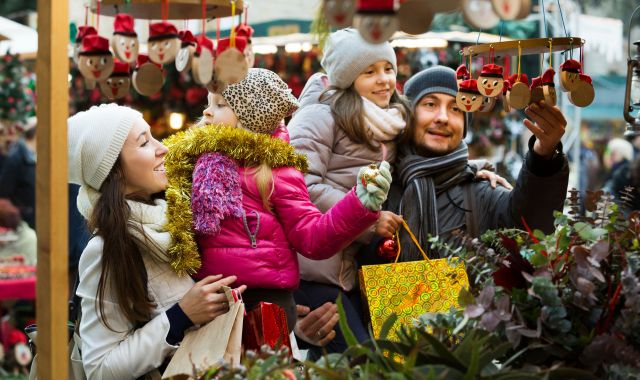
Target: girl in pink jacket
column 237, row 200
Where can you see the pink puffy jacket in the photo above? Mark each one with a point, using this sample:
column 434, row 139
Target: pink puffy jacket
column 260, row 247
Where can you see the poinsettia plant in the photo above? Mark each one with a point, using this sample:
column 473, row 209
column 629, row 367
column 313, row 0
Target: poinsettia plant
column 569, row 298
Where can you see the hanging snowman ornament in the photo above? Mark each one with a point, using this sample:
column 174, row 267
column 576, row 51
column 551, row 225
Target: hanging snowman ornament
column 163, row 42
column 570, row 75
column 83, row 31
column 125, row 39
column 488, row 103
column 95, row 61
column 147, row 77
column 245, row 31
column 469, row 98
column 231, row 65
column 549, row 87
column 519, row 95
column 490, row 81
column 339, row 13
column 118, row 83
column 187, row 50
column 202, row 64
column 536, row 90
column 505, row 99
column 584, row 93
column 376, row 20
column 462, row 73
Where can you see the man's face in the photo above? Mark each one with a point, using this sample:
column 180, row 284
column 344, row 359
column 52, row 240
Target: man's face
column 439, row 125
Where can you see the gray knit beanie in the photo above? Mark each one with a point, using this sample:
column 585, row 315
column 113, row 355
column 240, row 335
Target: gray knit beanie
column 347, row 54
column 95, row 139
column 434, row 80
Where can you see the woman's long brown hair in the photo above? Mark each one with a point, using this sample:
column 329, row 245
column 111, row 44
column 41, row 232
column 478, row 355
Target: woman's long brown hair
column 347, row 111
column 123, row 270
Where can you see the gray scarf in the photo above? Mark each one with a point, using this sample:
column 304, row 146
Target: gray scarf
column 423, row 179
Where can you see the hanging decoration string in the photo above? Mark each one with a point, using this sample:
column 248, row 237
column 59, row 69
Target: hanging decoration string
column 98, row 16
column 232, row 37
column 204, row 16
column 519, row 55
column 582, row 56
column 478, row 39
column 127, row 4
column 460, row 57
column 492, row 57
column 562, row 18
column 501, row 25
column 246, row 13
column 550, row 53
column 165, row 10
column 86, row 14
column 217, row 30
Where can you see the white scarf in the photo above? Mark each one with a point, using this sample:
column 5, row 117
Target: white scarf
column 382, row 124
column 152, row 219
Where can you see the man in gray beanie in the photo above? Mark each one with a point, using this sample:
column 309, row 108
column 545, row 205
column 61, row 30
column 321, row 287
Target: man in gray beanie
column 434, row 187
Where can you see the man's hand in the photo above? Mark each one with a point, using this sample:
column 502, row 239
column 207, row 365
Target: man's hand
column 388, row 223
column 494, row 178
column 548, row 126
column 316, row 327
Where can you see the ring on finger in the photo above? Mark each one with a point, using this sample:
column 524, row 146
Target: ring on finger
column 319, row 334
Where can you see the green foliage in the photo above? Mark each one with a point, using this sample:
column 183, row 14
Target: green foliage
column 16, row 90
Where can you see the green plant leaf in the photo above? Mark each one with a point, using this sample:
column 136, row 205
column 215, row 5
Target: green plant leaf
column 565, row 373
column 387, row 325
column 443, row 352
column 472, row 369
column 349, row 338
column 465, row 297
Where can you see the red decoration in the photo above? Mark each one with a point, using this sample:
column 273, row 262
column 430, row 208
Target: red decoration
column 469, row 85
column 376, row 6
column 536, row 82
column 266, row 324
column 123, row 24
column 244, row 30
column 162, row 30
column 491, row 70
column 523, row 78
column 203, row 41
column 462, row 72
column 120, row 69
column 586, row 78
column 223, row 44
column 95, row 45
column 547, row 77
column 84, row 31
column 571, row 65
column 187, row 38
column 387, row 249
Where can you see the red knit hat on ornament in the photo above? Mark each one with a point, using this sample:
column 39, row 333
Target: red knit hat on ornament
column 586, row 78
column 469, row 85
column 506, row 86
column 376, row 6
column 462, row 72
column 123, row 24
column 120, row 69
column 536, row 82
column 491, row 70
column 523, row 78
column 83, row 31
column 187, row 38
column 143, row 58
column 571, row 65
column 94, row 45
column 244, row 30
column 223, row 44
column 162, row 30
column 547, row 77
column 203, row 41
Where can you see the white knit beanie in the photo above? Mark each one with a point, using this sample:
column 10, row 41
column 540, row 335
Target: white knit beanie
column 347, row 54
column 95, row 140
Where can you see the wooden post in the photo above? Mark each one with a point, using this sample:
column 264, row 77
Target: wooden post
column 52, row 69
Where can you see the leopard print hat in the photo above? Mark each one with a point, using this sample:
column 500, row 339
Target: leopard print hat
column 261, row 100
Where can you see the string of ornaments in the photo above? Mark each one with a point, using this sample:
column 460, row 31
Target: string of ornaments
column 115, row 70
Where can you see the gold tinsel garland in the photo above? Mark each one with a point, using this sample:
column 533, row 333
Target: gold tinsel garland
column 248, row 148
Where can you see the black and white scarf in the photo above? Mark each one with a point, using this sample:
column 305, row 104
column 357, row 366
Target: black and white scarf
column 423, row 179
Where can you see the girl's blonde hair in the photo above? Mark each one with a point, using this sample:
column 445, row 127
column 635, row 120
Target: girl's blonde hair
column 347, row 111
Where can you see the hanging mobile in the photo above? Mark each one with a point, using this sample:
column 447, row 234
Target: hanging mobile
column 231, row 65
column 519, row 94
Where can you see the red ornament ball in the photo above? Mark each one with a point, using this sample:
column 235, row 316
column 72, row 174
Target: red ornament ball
column 388, row 249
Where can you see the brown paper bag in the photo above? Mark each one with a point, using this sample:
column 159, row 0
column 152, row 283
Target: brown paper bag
column 217, row 342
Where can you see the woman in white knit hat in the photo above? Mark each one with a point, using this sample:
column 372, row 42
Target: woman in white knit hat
column 135, row 308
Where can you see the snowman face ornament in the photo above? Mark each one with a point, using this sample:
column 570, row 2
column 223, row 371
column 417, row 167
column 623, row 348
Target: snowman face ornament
column 164, row 50
column 96, row 67
column 569, row 80
column 339, row 13
column 125, row 47
column 376, row 28
column 490, row 86
column 487, row 104
column 469, row 101
column 115, row 87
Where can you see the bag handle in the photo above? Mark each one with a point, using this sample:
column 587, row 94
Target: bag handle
column 413, row 237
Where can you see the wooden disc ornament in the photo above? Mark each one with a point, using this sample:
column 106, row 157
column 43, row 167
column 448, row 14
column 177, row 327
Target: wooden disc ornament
column 95, row 61
column 339, row 13
column 118, row 84
column 584, row 93
column 519, row 95
column 570, row 75
column 163, row 42
column 376, row 20
column 511, row 9
column 202, row 64
column 462, row 74
column 479, row 14
column 83, row 31
column 536, row 90
column 187, row 50
column 469, row 98
column 147, row 78
column 415, row 16
column 549, row 87
column 490, row 80
column 488, row 103
column 231, row 66
column 125, row 39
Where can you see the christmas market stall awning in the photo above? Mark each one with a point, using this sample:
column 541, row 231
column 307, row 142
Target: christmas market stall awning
column 17, row 39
